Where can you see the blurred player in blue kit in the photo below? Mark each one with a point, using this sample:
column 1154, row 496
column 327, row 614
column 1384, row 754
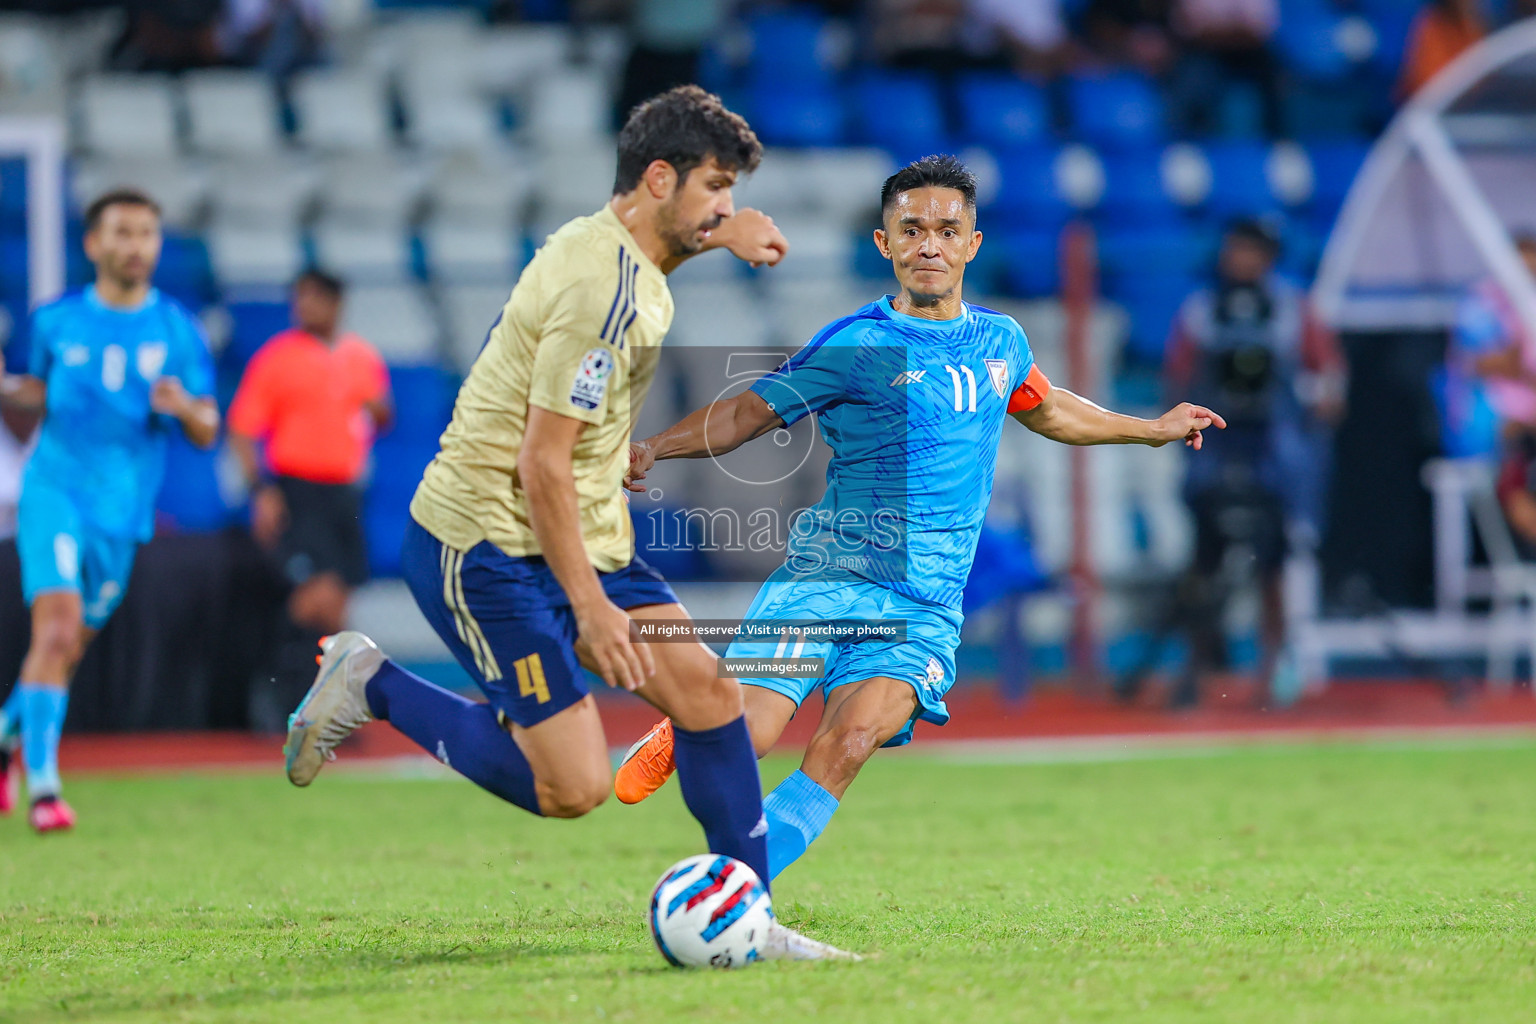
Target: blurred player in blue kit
column 911, row 393
column 113, row 369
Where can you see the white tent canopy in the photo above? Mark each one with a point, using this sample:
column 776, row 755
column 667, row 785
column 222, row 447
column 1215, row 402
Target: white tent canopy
column 1436, row 202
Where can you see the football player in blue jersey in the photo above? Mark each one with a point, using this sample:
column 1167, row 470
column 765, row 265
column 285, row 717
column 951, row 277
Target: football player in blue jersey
column 113, row 369
column 910, row 393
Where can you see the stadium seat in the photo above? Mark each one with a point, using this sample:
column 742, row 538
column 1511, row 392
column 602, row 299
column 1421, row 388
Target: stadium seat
column 492, row 190
column 31, row 68
column 190, row 500
column 254, row 254
column 1003, row 111
column 341, row 111
column 128, row 116
column 470, row 310
column 899, row 112
column 802, row 307
column 509, row 58
column 184, row 271
column 1334, row 166
column 818, row 248
column 1240, row 179
column 571, row 182
column 1134, row 191
column 232, row 113
column 423, row 403
column 263, row 192
column 1132, row 250
column 720, row 313
column 1031, row 193
column 180, row 187
column 251, row 324
column 793, row 45
column 780, row 184
column 376, row 254
column 464, row 251
column 443, row 120
column 845, row 183
column 13, row 266
column 398, row 320
column 371, row 189
column 567, row 108
column 797, row 115
column 1151, row 301
column 1116, row 110
column 1308, row 40
column 1029, row 261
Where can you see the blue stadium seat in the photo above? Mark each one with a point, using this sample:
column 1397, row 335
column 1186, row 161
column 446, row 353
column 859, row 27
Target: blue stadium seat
column 1152, row 301
column 252, row 324
column 399, row 458
column 13, row 266
column 1134, row 192
column 787, row 49
column 1132, row 251
column 423, row 403
column 1030, row 195
column 899, row 112
column 13, row 195
column 1029, row 261
column 797, row 116
column 1334, row 166
column 184, row 272
column 1003, row 111
column 1239, row 179
column 1116, row 110
column 189, row 499
column 1306, row 41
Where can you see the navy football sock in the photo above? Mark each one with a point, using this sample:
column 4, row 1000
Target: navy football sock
column 717, row 770
column 460, row 733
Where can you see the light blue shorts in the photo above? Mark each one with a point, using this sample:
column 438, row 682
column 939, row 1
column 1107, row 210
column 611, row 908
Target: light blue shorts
column 925, row 659
column 59, row 552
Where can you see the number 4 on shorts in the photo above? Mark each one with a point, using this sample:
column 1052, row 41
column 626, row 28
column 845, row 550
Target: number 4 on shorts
column 530, row 678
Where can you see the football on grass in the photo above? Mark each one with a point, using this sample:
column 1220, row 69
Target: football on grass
column 710, row 911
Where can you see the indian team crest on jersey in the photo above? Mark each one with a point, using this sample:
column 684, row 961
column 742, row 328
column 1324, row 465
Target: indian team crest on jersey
column 934, row 675
column 592, row 378
column 151, row 359
column 997, row 369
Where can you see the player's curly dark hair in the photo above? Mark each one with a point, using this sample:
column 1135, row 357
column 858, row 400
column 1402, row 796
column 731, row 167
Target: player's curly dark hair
column 684, row 126
column 117, row 197
column 938, row 171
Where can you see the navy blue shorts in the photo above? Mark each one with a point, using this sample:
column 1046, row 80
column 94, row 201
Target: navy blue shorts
column 509, row 622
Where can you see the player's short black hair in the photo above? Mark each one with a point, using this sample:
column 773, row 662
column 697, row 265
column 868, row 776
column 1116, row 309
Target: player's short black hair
column 1254, row 231
column 327, row 282
column 938, row 171
column 684, row 126
column 117, row 197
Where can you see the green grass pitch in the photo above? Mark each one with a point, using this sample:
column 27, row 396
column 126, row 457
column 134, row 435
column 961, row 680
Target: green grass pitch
column 1275, row 884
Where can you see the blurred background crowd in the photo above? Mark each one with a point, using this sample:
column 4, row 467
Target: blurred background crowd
column 418, row 152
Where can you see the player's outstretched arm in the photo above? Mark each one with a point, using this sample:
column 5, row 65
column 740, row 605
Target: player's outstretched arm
column 717, row 428
column 199, row 417
column 1072, row 419
column 749, row 235
column 23, row 392
column 547, row 475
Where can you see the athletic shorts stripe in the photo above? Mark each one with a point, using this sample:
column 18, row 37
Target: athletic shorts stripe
column 468, row 629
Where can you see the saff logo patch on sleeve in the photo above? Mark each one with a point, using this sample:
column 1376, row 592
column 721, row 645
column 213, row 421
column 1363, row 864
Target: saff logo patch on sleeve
column 591, row 381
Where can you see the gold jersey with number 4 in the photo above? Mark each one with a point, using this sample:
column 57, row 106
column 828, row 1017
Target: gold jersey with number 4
column 580, row 336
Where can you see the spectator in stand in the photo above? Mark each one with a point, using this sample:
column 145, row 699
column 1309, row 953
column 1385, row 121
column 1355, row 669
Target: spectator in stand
column 669, row 38
column 313, row 397
column 1138, row 33
column 1029, row 36
column 1441, row 31
column 277, row 36
column 918, row 35
column 168, row 35
column 1249, row 345
column 1225, row 41
column 1491, row 366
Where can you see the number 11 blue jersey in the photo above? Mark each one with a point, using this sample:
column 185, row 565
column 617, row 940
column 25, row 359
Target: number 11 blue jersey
column 913, row 410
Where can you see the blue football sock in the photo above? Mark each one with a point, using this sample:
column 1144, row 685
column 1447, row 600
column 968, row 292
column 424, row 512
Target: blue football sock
column 10, row 717
column 42, row 720
column 717, row 770
column 798, row 810
column 460, row 733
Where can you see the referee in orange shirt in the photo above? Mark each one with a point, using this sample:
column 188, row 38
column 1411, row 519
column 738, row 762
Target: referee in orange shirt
column 302, row 423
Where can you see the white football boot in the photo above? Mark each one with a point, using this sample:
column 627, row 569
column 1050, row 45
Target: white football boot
column 334, row 706
column 785, row 943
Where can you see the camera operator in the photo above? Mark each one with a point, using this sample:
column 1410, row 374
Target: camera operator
column 1247, row 344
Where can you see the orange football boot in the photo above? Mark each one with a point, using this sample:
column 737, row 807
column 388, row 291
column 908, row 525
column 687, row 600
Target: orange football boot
column 647, row 765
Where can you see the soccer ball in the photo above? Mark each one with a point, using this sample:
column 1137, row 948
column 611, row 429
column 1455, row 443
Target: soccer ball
column 710, row 911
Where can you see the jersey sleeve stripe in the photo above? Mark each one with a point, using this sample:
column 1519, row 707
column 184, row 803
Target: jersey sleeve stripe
column 619, row 293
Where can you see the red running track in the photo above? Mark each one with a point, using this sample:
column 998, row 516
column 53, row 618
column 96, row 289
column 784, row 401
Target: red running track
column 978, row 714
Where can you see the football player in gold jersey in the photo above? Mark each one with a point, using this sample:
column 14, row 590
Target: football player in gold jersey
column 519, row 551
